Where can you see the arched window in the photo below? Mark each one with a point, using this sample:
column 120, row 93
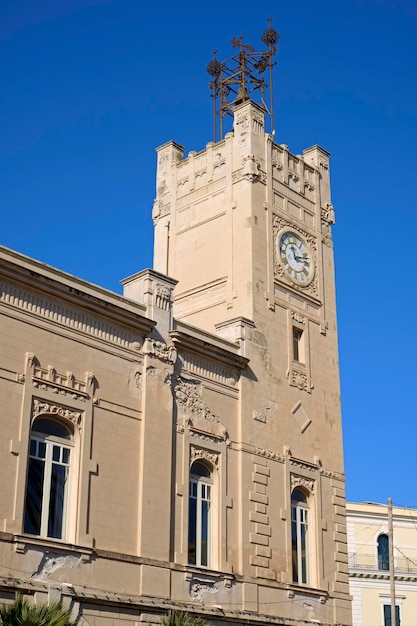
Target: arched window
column 48, row 478
column 199, row 517
column 300, row 537
column 383, row 552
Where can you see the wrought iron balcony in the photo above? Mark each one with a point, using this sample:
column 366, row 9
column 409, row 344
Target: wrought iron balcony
column 373, row 563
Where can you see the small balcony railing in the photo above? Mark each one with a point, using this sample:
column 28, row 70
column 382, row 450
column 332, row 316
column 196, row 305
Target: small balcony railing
column 373, row 563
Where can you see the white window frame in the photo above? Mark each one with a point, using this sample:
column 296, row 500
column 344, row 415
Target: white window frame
column 300, row 517
column 51, row 442
column 203, row 493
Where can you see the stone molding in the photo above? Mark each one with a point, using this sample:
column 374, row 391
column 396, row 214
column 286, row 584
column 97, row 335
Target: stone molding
column 66, row 316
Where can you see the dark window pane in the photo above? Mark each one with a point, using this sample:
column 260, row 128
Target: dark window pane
column 199, row 469
column 383, row 552
column 41, row 449
column 192, row 523
column 34, row 493
column 51, row 427
column 56, row 501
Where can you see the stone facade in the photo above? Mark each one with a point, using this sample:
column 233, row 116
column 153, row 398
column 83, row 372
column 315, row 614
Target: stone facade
column 180, row 445
column 369, row 566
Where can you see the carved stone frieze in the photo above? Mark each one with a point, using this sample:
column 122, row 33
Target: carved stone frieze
column 269, row 454
column 331, row 474
column 302, row 481
column 207, row 455
column 160, row 350
column 41, row 407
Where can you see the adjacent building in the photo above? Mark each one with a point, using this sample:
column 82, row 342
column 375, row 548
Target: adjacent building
column 180, row 446
column 369, row 564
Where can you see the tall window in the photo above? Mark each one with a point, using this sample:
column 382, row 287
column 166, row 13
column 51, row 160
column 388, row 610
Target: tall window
column 387, row 615
column 300, row 538
column 383, row 552
column 199, row 520
column 47, row 479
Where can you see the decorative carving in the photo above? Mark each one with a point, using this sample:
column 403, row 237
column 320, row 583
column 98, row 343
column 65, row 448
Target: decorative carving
column 269, row 454
column 201, row 172
column 251, row 168
column 327, row 218
column 162, row 297
column 277, row 165
column 302, row 481
column 299, row 379
column 324, row 165
column 200, row 453
column 298, row 317
column 309, row 186
column 294, row 176
column 62, row 384
column 200, row 585
column 31, row 360
column 326, row 234
column 160, row 209
column 331, row 474
column 182, row 181
column 189, row 396
column 218, row 160
column 46, row 408
column 160, row 350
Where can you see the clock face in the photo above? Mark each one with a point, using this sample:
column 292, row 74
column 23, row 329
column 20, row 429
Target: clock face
column 296, row 258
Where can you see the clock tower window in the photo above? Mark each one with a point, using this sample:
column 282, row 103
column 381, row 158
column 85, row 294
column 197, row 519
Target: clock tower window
column 298, row 347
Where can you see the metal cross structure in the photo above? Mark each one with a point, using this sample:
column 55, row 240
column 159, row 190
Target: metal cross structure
column 238, row 78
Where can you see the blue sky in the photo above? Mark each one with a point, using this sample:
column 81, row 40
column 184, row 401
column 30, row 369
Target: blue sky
column 91, row 87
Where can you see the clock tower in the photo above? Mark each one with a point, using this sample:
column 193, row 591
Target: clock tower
column 245, row 227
